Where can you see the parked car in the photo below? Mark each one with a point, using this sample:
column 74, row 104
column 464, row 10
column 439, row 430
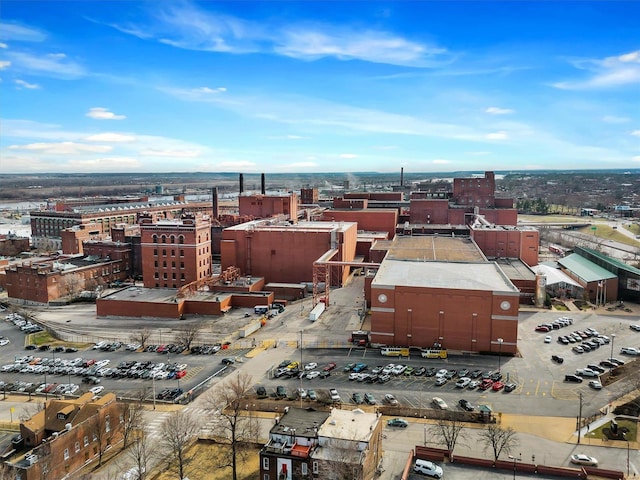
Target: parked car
column 428, row 468
column 572, row 378
column 635, row 327
column 369, row 399
column 357, row 398
column 440, row 403
column 510, row 387
column 595, row 384
column 466, row 405
column 281, row 392
column 398, row 422
column 390, row 399
column 557, row 358
column 463, row 382
column 329, row 366
column 581, row 459
column 586, row 372
column 497, row 386
column 630, row 351
column 547, row 339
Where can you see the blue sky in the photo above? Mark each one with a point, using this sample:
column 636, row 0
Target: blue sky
column 317, row 86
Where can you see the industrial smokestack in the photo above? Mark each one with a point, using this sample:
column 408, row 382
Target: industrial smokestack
column 214, row 200
column 401, row 176
column 263, row 188
column 241, row 184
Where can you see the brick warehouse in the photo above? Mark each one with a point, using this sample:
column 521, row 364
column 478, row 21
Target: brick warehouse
column 443, row 290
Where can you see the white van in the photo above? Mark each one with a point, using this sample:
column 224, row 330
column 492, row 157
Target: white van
column 428, row 468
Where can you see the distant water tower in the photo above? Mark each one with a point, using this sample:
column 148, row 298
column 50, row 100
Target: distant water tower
column 159, row 190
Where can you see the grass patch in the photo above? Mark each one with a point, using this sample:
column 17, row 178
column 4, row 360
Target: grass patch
column 554, row 219
column 630, row 425
column 45, row 338
column 607, row 233
column 205, row 458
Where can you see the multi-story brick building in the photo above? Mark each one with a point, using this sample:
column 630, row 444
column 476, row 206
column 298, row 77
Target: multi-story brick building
column 175, row 252
column 322, row 445
column 265, row 206
column 65, row 435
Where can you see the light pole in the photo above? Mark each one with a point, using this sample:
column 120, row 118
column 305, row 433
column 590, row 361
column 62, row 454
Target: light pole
column 500, row 340
column 301, row 368
column 425, row 434
column 515, row 459
column 624, row 435
column 613, row 339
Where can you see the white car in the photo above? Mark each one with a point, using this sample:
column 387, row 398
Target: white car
column 313, row 374
column 96, row 390
column 630, row 350
column 4, row 342
column 428, row 468
column 390, row 399
column 398, row 369
column 586, row 372
column 635, row 327
column 582, row 459
column 441, row 373
column 547, row 339
column 310, row 366
column 353, row 376
column 474, row 384
column 335, row 396
column 595, row 384
column 440, row 403
column 463, row 382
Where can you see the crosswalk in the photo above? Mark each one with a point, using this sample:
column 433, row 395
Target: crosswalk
column 155, row 421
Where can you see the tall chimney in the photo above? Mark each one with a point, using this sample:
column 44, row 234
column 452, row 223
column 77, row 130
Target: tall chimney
column 263, row 188
column 214, row 200
column 402, row 176
column 241, row 184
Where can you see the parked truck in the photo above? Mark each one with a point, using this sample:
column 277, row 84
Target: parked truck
column 316, row 312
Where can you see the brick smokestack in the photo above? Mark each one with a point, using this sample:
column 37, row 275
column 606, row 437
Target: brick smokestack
column 401, row 176
column 263, row 188
column 215, row 205
column 241, row 184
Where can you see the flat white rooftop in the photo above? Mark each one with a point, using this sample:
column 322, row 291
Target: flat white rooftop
column 461, row 276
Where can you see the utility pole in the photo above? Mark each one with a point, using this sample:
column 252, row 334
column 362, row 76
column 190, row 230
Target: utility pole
column 580, row 418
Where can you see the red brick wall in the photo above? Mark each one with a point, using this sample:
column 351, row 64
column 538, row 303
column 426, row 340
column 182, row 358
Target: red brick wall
column 106, row 307
column 370, row 220
column 264, row 206
column 429, row 211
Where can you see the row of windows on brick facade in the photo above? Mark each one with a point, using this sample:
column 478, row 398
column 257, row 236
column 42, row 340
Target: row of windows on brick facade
column 303, row 468
column 201, row 251
column 107, row 429
column 164, row 276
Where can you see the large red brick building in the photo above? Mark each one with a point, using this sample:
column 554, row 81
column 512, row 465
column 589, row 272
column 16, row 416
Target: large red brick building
column 443, row 290
column 175, row 252
column 284, row 253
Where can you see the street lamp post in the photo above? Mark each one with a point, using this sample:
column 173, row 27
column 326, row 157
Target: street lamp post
column 500, row 340
column 613, row 339
column 624, row 436
column 301, row 368
column 515, row 459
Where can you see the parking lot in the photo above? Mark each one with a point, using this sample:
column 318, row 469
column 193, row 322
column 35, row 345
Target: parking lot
column 65, row 370
column 540, row 386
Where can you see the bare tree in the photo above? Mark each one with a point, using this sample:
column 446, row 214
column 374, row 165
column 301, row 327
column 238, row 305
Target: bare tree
column 233, row 420
column 131, row 419
column 139, row 452
column 499, row 439
column 447, row 431
column 141, row 337
column 346, row 462
column 103, row 429
column 29, row 410
column 188, row 334
column 179, row 429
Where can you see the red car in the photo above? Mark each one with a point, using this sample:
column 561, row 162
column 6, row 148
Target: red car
column 329, row 367
column 181, row 373
column 497, row 386
column 486, row 384
column 542, row 328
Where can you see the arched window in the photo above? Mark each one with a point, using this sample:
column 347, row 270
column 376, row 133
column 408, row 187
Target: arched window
column 173, row 239
column 181, row 239
column 164, row 239
column 155, row 238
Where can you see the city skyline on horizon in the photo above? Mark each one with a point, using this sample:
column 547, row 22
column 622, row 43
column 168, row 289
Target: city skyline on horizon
column 286, row 87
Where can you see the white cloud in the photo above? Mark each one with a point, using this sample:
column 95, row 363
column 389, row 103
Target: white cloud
column 496, row 136
column 348, row 155
column 104, row 164
column 56, row 65
column 62, row 148
column 498, row 111
column 609, row 72
column 183, row 25
column 613, row 119
column 16, row 32
column 3, row 45
column 99, row 113
column 30, row 86
column 4, row 64
column 313, row 42
column 636, row 158
column 111, row 137
column 440, row 161
column 636, row 133
column 169, row 153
